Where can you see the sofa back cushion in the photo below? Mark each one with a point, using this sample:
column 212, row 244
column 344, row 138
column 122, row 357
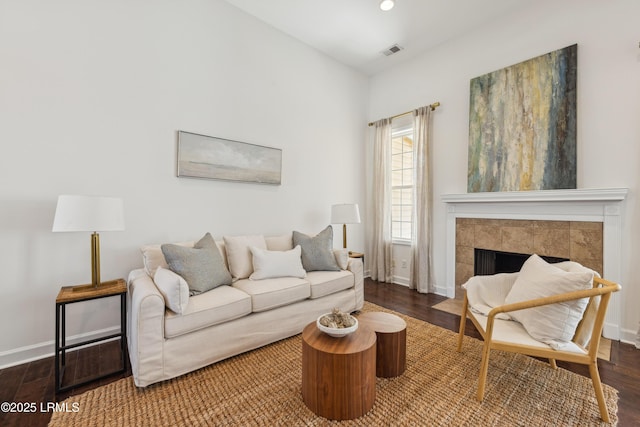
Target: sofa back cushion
column 283, row 242
column 239, row 256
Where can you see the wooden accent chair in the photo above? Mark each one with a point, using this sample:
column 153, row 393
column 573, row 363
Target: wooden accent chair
column 510, row 336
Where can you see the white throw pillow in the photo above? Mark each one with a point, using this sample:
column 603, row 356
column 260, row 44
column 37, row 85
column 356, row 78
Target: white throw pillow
column 553, row 324
column 173, row 288
column 269, row 264
column 239, row 256
column 342, row 258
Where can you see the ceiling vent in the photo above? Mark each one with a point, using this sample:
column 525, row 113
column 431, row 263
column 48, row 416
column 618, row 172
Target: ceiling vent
column 393, row 49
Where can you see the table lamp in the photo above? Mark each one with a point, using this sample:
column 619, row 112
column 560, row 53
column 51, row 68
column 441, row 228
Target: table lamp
column 90, row 213
column 346, row 213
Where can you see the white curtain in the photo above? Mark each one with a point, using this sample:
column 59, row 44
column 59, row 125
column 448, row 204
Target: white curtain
column 380, row 266
column 421, row 239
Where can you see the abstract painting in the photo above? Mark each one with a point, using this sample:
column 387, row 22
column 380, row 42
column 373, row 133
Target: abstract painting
column 201, row 156
column 522, row 125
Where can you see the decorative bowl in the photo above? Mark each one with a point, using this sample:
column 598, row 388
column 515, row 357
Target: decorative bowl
column 336, row 332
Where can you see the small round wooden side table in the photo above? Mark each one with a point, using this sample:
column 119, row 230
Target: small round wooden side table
column 338, row 374
column 391, row 332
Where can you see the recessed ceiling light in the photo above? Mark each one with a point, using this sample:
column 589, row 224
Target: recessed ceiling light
column 387, row 4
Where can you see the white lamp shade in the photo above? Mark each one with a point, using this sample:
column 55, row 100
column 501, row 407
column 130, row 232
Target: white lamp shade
column 88, row 213
column 346, row 213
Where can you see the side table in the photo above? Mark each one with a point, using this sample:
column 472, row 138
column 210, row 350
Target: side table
column 68, row 295
column 391, row 343
column 338, row 374
column 357, row 255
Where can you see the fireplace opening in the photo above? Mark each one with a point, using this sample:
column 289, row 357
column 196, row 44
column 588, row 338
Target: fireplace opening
column 487, row 262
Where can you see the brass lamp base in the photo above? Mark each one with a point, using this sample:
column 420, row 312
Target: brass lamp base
column 91, row 286
column 95, row 269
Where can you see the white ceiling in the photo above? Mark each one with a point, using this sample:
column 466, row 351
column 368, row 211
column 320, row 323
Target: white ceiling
column 355, row 32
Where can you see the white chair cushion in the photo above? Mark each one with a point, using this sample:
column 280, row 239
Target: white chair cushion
column 553, row 324
column 511, row 332
column 271, row 293
column 270, row 264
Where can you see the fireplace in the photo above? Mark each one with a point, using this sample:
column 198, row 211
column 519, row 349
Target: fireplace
column 551, row 223
column 488, row 261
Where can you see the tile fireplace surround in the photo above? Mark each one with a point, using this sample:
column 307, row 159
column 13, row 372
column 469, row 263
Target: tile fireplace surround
column 562, row 223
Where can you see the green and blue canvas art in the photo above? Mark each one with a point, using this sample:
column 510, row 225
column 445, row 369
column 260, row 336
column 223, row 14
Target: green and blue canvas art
column 522, row 125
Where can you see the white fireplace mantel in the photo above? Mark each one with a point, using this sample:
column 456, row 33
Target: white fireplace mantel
column 598, row 205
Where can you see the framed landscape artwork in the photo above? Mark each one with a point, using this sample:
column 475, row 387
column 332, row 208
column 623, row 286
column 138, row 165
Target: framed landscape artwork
column 522, row 125
column 201, row 156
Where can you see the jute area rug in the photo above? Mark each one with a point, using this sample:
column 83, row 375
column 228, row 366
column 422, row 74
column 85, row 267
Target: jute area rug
column 263, row 388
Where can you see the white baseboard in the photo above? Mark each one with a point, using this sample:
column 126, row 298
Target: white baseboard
column 29, row 353
column 399, row 280
column 628, row 336
column 442, row 291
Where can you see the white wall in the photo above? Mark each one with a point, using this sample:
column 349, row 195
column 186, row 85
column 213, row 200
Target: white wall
column 91, row 96
column 608, row 105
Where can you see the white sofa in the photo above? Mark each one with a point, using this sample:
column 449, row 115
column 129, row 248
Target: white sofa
column 229, row 319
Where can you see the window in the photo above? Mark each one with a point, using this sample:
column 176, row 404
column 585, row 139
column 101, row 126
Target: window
column 401, row 181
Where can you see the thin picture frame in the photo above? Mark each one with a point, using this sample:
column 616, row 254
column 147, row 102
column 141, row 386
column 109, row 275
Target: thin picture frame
column 209, row 157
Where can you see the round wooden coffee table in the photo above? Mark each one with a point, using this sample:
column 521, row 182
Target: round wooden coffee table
column 391, row 332
column 338, row 374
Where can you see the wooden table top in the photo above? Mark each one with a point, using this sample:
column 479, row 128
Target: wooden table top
column 78, row 293
column 382, row 322
column 360, row 340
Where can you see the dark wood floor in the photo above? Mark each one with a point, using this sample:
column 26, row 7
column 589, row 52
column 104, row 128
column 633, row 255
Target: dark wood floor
column 33, row 382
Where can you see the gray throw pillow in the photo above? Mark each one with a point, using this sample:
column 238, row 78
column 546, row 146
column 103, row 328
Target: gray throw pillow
column 317, row 251
column 202, row 266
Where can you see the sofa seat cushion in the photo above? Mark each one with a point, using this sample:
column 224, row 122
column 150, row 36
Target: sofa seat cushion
column 271, row 293
column 329, row 282
column 209, row 308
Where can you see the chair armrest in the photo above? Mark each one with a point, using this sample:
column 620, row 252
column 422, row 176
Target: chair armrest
column 607, row 287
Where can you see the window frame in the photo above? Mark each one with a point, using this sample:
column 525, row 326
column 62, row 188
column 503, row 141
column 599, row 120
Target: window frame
column 402, row 129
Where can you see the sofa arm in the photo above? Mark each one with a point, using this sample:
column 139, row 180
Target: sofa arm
column 356, row 267
column 145, row 328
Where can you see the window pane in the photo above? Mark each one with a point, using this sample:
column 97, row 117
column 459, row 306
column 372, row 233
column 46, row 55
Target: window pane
column 407, row 144
column 406, row 212
column 407, row 176
column 407, row 159
column 407, row 196
column 396, row 229
column 396, row 197
column 396, row 177
column 406, row 230
column 396, row 162
column 402, row 180
column 396, row 145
